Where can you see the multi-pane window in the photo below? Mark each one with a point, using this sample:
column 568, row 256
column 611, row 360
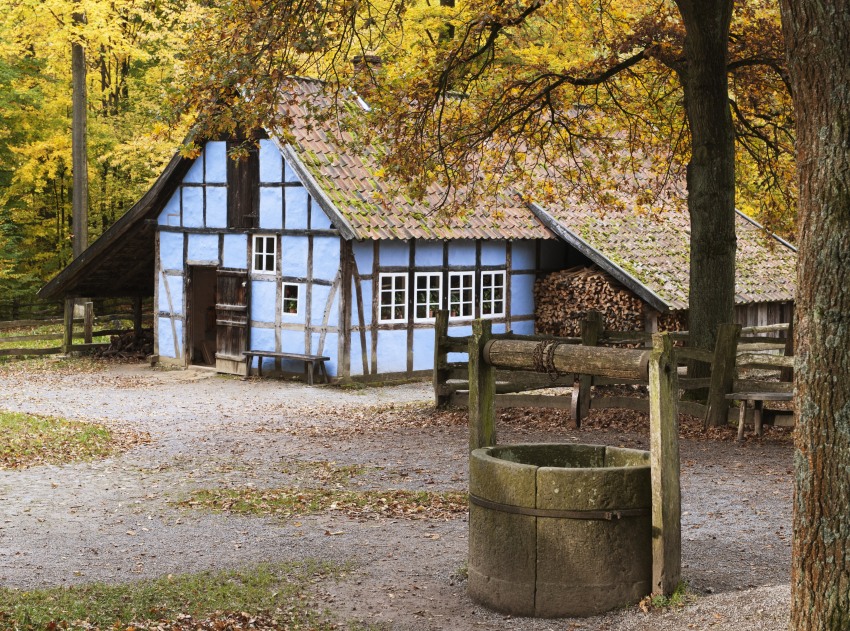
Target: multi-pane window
column 265, row 253
column 290, row 303
column 393, row 298
column 461, row 294
column 492, row 294
column 426, row 299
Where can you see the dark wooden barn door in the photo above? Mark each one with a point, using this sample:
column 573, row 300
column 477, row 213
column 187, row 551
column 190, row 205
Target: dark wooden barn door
column 231, row 311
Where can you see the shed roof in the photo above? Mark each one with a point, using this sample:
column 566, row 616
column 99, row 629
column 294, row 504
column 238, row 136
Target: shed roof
column 650, row 254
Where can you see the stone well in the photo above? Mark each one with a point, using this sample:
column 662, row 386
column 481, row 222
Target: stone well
column 559, row 530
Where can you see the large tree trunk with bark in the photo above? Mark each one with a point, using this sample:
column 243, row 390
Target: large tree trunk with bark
column 711, row 172
column 817, row 36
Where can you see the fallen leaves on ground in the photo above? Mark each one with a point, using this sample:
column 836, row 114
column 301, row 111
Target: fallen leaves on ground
column 289, row 502
column 28, row 440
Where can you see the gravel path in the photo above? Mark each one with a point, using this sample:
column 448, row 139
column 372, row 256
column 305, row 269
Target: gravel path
column 112, row 520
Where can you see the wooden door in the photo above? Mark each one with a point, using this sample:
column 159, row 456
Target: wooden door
column 231, row 312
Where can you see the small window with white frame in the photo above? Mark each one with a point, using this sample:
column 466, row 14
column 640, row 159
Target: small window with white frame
column 492, row 294
column 461, row 295
column 426, row 296
column 291, row 299
column 392, row 305
column 265, row 254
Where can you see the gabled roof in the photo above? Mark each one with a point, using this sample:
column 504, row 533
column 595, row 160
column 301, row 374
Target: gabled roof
column 371, row 204
column 651, row 254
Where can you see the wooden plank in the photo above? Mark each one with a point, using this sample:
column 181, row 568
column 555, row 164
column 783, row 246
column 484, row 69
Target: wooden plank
column 767, row 328
column 750, row 347
column 754, row 360
column 691, row 353
column 694, row 383
column 455, row 344
column 11, row 339
column 18, row 352
column 755, row 385
column 722, row 374
column 482, row 389
column 692, row 408
column 664, row 457
column 20, row 324
column 591, row 329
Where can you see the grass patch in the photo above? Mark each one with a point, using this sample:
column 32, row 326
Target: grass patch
column 278, row 595
column 27, row 440
column 679, row 598
column 290, row 502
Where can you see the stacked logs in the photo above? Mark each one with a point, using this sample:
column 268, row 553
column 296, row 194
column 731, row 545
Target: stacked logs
column 564, row 298
column 127, row 345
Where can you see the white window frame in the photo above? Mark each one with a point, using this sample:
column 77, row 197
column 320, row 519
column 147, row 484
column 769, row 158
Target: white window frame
column 257, row 251
column 283, row 299
column 433, row 283
column 391, row 293
column 492, row 301
column 461, row 303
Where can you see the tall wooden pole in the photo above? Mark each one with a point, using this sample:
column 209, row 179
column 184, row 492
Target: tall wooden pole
column 79, row 145
column 482, row 388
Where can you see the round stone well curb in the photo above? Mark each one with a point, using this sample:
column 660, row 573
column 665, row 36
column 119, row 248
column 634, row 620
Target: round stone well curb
column 559, row 530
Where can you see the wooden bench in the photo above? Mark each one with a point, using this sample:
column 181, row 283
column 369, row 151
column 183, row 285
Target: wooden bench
column 756, row 400
column 310, row 362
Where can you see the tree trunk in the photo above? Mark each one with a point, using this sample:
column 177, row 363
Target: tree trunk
column 817, row 36
column 711, row 172
column 79, row 146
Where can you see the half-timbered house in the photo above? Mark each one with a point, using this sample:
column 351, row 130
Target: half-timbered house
column 304, row 247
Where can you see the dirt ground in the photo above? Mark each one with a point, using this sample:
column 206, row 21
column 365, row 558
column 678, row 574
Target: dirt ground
column 114, row 520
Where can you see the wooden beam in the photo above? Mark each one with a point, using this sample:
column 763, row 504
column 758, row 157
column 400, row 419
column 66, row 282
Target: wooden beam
column 441, row 331
column 664, row 458
column 482, row 389
column 69, row 326
column 591, row 328
column 88, row 321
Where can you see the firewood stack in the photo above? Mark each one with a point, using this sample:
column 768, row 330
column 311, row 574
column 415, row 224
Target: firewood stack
column 126, row 346
column 563, row 298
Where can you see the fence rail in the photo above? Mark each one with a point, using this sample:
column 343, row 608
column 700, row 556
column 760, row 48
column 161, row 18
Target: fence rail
column 733, row 353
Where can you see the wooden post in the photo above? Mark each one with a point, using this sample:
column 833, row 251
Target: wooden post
column 137, row 317
column 591, row 330
column 664, row 458
column 88, row 321
column 68, row 340
column 482, row 389
column 441, row 331
column 787, row 374
column 722, row 375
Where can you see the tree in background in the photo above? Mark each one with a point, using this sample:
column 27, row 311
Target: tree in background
column 817, row 33
column 131, row 51
column 615, row 101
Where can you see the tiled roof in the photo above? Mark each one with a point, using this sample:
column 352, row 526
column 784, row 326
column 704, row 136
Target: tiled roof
column 655, row 251
column 652, row 252
column 376, row 209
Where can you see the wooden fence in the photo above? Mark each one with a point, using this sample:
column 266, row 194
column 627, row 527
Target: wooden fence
column 738, row 350
column 79, row 339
